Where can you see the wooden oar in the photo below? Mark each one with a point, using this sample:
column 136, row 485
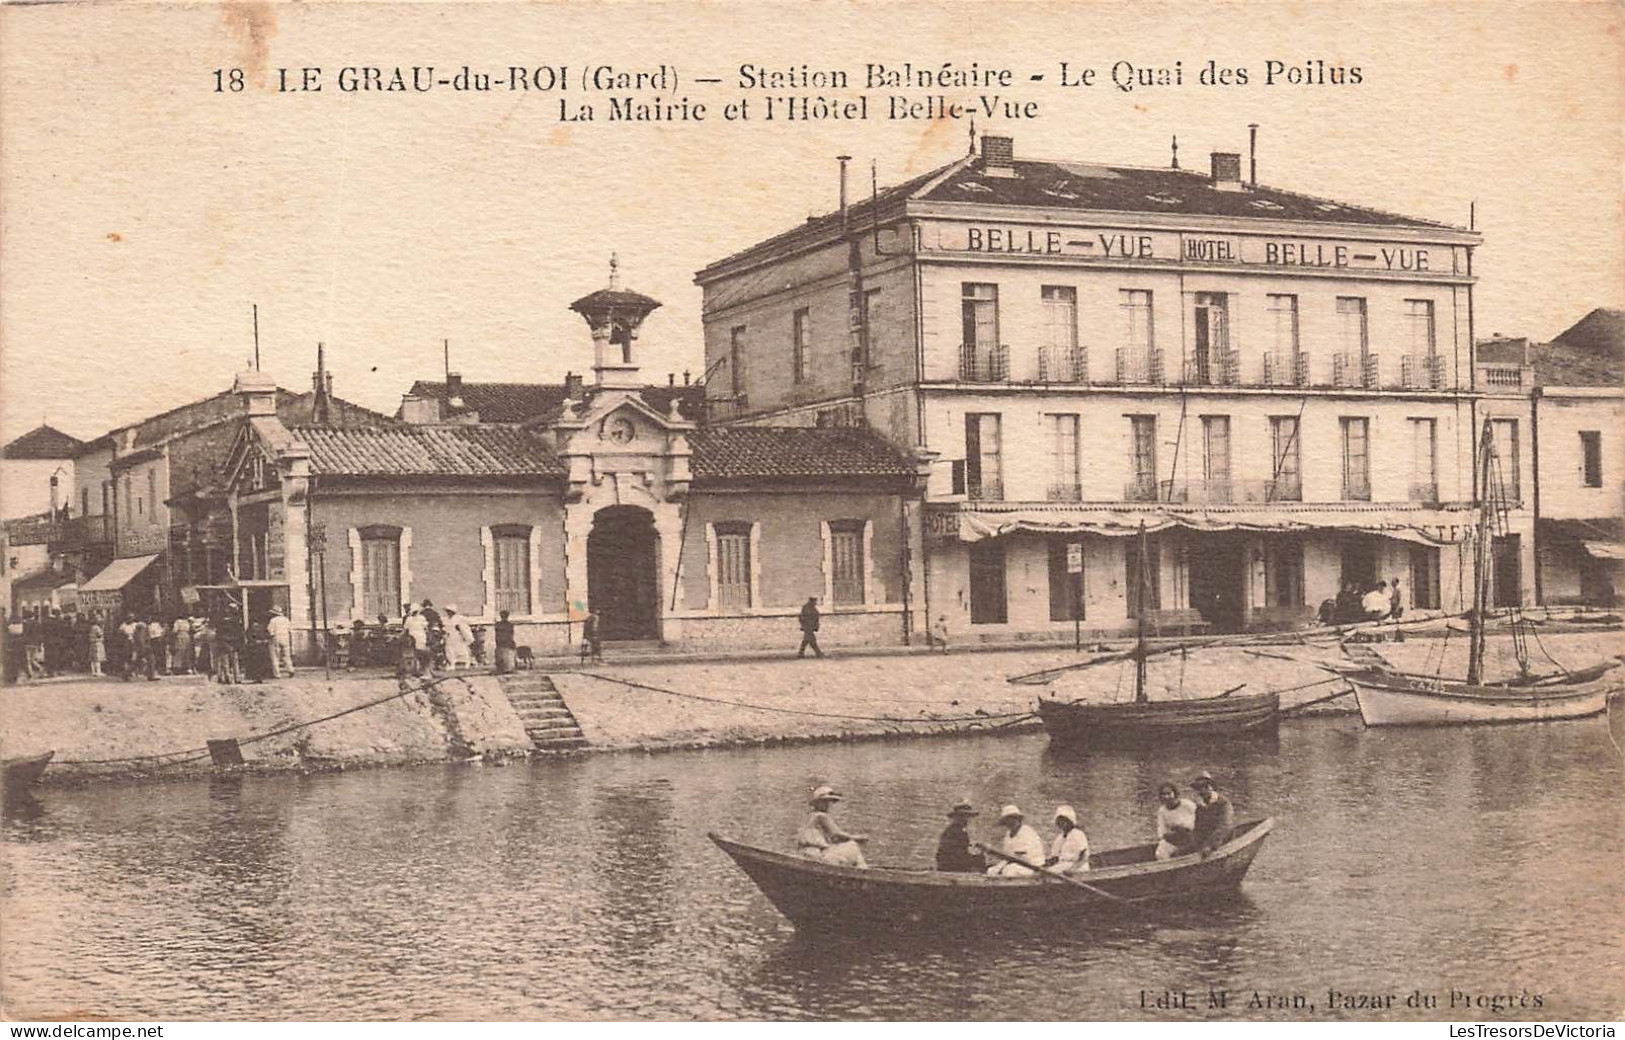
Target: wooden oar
column 1102, row 893
column 1310, row 703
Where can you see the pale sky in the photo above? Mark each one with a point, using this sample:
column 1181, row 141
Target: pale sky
column 143, row 213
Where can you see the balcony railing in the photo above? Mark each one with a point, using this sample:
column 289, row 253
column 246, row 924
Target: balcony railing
column 1066, row 493
column 1355, row 370
column 1139, row 366
column 82, row 531
column 1421, row 371
column 1142, row 489
column 1219, row 370
column 1509, row 376
column 1285, row 369
column 985, row 490
column 1063, row 364
column 1356, row 488
column 984, row 363
column 1425, row 493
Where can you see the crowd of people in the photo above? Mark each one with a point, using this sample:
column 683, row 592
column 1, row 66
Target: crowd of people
column 1184, row 827
column 1353, row 603
column 45, row 644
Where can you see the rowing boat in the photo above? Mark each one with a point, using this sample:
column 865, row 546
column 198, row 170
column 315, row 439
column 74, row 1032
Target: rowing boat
column 818, row 896
column 21, row 772
column 1388, row 698
column 1140, row 722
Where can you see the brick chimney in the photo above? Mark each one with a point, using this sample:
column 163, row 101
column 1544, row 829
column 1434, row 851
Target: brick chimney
column 1227, row 171
column 998, row 156
column 574, row 384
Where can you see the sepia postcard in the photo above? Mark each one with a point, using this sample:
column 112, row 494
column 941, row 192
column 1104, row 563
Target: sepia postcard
column 926, row 511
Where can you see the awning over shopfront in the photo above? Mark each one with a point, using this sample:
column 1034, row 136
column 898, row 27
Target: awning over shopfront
column 118, row 574
column 1606, row 550
column 1426, row 526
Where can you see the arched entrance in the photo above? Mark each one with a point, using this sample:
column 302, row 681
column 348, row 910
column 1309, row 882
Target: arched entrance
column 623, row 573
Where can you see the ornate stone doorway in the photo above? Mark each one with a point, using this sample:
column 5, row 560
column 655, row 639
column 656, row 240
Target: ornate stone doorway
column 623, row 573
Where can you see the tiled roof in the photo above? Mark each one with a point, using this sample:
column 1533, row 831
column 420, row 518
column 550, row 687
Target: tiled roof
column 1085, row 187
column 428, row 451
column 1134, row 189
column 43, row 442
column 541, row 402
column 793, row 453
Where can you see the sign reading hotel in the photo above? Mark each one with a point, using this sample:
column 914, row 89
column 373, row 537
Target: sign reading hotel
column 1035, row 241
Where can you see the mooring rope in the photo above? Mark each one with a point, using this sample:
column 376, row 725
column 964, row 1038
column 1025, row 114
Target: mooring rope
column 803, row 711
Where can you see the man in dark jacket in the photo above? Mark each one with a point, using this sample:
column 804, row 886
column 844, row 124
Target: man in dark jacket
column 1214, row 816
column 809, row 627
column 954, row 851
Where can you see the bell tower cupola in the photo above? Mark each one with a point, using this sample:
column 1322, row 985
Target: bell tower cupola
column 614, row 315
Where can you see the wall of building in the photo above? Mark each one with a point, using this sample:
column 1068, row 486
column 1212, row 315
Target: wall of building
column 446, row 558
column 25, row 485
column 790, row 546
column 1106, row 464
column 1563, row 414
column 142, row 511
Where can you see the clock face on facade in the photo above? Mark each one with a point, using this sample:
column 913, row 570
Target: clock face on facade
column 621, row 430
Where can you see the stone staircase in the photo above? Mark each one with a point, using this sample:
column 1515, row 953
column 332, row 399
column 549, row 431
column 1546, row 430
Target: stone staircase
column 546, row 717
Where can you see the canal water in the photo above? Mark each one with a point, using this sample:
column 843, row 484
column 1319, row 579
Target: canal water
column 1479, row 862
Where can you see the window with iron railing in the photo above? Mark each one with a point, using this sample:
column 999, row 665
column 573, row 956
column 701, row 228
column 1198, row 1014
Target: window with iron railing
column 1061, row 364
column 1138, row 360
column 1064, row 434
column 1285, row 483
column 980, row 363
column 1143, row 458
column 984, row 457
column 1136, row 366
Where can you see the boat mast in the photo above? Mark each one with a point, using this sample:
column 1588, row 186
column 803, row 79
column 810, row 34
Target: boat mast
column 1475, row 620
column 1139, row 627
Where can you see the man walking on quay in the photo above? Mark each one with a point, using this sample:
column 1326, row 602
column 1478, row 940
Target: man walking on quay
column 280, row 631
column 809, row 627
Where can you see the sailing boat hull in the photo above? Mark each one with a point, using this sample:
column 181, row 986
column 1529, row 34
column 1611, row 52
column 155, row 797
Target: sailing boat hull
column 1108, row 725
column 1387, row 699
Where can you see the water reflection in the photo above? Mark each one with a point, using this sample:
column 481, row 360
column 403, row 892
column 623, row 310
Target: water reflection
column 1479, row 859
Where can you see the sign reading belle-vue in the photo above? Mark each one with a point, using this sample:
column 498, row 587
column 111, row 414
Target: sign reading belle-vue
column 1015, row 240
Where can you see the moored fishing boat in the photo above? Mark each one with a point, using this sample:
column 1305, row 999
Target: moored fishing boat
column 1388, row 697
column 18, row 773
column 818, row 896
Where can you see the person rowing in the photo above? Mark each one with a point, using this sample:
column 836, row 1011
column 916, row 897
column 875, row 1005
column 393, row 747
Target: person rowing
column 955, row 851
column 1021, row 843
column 1215, row 818
column 820, row 839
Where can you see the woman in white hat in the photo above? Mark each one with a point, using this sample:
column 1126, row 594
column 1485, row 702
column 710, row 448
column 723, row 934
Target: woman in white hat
column 1020, row 842
column 1069, row 851
column 459, row 639
column 820, row 838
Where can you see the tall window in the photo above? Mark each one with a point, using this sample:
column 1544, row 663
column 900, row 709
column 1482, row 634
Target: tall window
column 129, row 499
column 846, row 562
column 1060, row 316
column 862, row 354
column 733, row 565
column 1133, row 576
column 1143, row 446
column 1283, row 310
column 1064, row 485
column 987, row 592
column 984, row 457
column 1216, row 456
column 1419, row 327
column 1286, row 480
column 1424, row 460
column 1138, row 335
column 1424, row 594
column 1212, row 344
column 381, row 572
column 511, row 559
column 1591, row 458
column 152, row 496
column 736, row 360
column 801, row 344
column 1356, row 460
column 979, row 313
column 1504, row 468
column 1065, row 587
column 84, row 501
column 1351, row 326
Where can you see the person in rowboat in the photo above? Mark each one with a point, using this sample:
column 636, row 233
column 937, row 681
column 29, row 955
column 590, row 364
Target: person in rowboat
column 1214, row 816
column 1069, row 852
column 954, row 851
column 820, row 839
column 1020, row 842
column 1176, row 823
